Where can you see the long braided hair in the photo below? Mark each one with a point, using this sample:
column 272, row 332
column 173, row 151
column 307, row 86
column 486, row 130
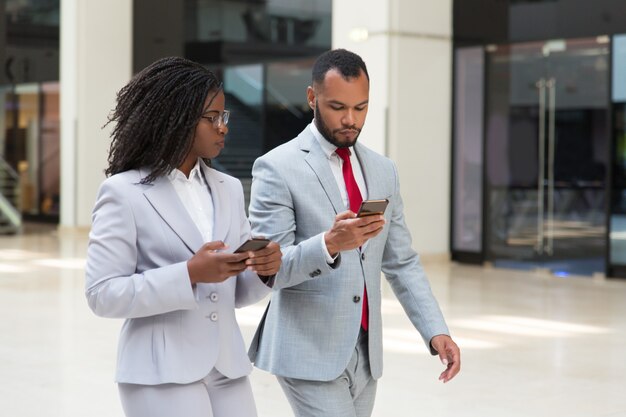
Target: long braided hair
column 156, row 116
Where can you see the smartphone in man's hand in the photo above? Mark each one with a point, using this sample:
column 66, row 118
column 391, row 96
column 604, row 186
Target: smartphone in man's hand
column 372, row 207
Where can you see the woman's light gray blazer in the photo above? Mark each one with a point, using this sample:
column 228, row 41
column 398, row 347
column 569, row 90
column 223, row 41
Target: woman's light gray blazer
column 140, row 241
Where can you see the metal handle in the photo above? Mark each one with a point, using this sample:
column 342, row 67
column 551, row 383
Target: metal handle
column 551, row 84
column 541, row 85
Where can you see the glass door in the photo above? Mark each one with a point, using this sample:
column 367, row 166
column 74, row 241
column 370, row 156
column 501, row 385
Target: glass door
column 547, row 144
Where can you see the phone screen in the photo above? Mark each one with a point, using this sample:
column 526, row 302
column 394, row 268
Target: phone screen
column 252, row 245
column 372, row 207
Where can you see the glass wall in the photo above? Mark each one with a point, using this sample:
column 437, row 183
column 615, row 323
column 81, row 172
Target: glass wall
column 277, row 22
column 287, row 110
column 262, row 50
column 232, row 32
column 268, row 107
column 29, row 105
column 553, row 133
column 482, row 22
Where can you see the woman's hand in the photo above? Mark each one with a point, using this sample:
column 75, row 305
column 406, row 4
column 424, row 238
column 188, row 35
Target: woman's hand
column 266, row 261
column 211, row 265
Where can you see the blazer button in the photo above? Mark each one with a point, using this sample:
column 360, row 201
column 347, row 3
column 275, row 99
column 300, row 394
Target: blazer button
column 356, row 299
column 315, row 273
column 214, row 297
column 213, row 316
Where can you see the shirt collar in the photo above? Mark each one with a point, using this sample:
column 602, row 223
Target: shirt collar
column 328, row 148
column 195, row 174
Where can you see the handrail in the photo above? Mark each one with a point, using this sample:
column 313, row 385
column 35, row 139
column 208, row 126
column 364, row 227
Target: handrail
column 7, row 210
column 8, row 168
column 10, row 212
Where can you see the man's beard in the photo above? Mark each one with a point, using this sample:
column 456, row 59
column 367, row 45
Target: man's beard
column 328, row 135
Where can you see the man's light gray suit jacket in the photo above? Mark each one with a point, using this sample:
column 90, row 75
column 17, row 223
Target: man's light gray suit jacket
column 140, row 241
column 311, row 326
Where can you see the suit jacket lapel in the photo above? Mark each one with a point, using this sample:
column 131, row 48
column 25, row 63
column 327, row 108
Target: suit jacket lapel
column 317, row 160
column 372, row 175
column 165, row 201
column 222, row 211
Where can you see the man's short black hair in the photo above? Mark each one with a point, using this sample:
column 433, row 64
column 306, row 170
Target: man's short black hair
column 347, row 63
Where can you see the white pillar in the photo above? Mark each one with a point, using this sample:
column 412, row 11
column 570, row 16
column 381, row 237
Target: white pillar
column 420, row 116
column 408, row 54
column 96, row 61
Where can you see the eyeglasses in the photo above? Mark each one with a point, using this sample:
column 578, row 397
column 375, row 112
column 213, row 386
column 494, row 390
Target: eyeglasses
column 218, row 119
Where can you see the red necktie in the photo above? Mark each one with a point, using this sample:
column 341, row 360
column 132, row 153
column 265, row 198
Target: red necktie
column 354, row 196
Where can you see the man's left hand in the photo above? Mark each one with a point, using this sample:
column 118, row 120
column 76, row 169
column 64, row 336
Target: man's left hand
column 449, row 354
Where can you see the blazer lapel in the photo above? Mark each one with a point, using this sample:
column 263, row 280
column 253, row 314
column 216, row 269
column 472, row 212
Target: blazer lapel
column 221, row 203
column 317, row 160
column 372, row 175
column 165, row 201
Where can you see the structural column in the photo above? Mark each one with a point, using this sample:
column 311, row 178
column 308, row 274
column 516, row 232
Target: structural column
column 406, row 45
column 96, row 61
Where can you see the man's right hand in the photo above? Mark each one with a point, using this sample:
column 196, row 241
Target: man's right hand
column 350, row 232
column 211, row 265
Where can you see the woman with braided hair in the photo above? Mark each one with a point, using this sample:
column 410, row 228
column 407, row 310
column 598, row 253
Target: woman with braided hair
column 160, row 253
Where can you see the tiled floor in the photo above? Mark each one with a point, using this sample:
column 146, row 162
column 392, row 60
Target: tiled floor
column 532, row 345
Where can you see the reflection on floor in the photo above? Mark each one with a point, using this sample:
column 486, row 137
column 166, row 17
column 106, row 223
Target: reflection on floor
column 533, row 345
column 561, row 268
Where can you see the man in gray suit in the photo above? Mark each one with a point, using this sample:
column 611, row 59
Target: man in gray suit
column 322, row 333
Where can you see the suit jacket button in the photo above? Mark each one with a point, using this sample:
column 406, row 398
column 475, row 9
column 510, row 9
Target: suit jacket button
column 356, row 299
